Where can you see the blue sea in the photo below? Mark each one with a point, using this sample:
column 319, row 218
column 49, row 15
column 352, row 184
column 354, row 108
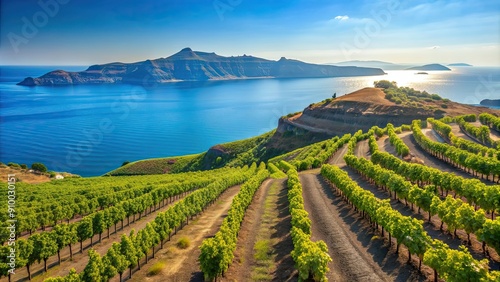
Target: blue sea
column 92, row 129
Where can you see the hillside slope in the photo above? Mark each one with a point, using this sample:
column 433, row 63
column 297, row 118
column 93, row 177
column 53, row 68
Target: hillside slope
column 363, row 109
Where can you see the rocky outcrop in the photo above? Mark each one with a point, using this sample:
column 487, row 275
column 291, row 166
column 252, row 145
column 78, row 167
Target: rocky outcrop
column 489, row 102
column 363, row 109
column 188, row 65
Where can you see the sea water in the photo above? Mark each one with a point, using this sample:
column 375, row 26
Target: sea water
column 92, row 129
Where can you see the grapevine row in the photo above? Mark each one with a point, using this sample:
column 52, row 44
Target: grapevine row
column 321, row 154
column 451, row 265
column 482, row 133
column 217, row 253
column 41, row 246
column 132, row 248
column 490, row 120
column 29, row 219
column 457, row 157
column 400, row 146
column 454, row 212
column 476, row 192
column 311, row 258
column 445, row 131
column 274, row 171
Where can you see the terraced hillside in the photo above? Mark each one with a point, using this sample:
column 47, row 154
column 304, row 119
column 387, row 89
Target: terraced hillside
column 413, row 202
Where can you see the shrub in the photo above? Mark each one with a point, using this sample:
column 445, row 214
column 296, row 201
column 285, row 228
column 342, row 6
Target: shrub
column 444, row 106
column 24, row 166
column 125, row 163
column 316, row 163
column 39, row 167
column 14, row 165
column 183, row 243
column 156, row 268
column 384, row 84
column 435, row 97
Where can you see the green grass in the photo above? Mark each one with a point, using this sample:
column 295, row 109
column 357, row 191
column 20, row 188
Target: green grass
column 263, row 248
column 156, row 268
column 159, row 166
column 237, row 153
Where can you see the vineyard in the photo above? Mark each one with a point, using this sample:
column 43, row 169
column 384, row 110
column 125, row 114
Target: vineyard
column 417, row 202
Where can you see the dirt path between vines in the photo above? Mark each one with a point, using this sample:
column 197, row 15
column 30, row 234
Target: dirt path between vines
column 455, row 129
column 357, row 254
column 362, row 149
column 258, row 214
column 182, row 264
column 338, row 157
column 385, row 145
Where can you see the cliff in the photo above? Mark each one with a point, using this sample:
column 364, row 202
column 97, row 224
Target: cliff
column 188, row 65
column 363, row 109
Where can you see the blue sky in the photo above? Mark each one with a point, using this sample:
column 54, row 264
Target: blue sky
column 77, row 32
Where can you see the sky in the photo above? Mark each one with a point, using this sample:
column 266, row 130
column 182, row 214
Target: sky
column 85, row 32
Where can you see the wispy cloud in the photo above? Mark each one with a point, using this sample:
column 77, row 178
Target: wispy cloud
column 342, row 18
column 433, row 47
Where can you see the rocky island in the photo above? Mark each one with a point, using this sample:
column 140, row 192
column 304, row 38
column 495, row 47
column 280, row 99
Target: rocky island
column 189, row 65
column 491, row 102
column 430, row 67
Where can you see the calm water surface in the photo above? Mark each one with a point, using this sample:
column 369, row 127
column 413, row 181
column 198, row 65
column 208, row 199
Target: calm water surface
column 90, row 130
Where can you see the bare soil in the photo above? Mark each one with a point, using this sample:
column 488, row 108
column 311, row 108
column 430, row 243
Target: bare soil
column 338, row 156
column 455, row 129
column 244, row 261
column 433, row 135
column 23, row 175
column 362, row 150
column 385, row 146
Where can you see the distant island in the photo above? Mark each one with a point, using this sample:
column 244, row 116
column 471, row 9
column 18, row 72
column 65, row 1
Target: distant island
column 189, row 65
column 459, row 65
column 431, row 67
column 490, row 102
column 372, row 64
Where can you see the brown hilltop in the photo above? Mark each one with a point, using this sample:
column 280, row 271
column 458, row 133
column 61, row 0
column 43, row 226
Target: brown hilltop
column 361, row 109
